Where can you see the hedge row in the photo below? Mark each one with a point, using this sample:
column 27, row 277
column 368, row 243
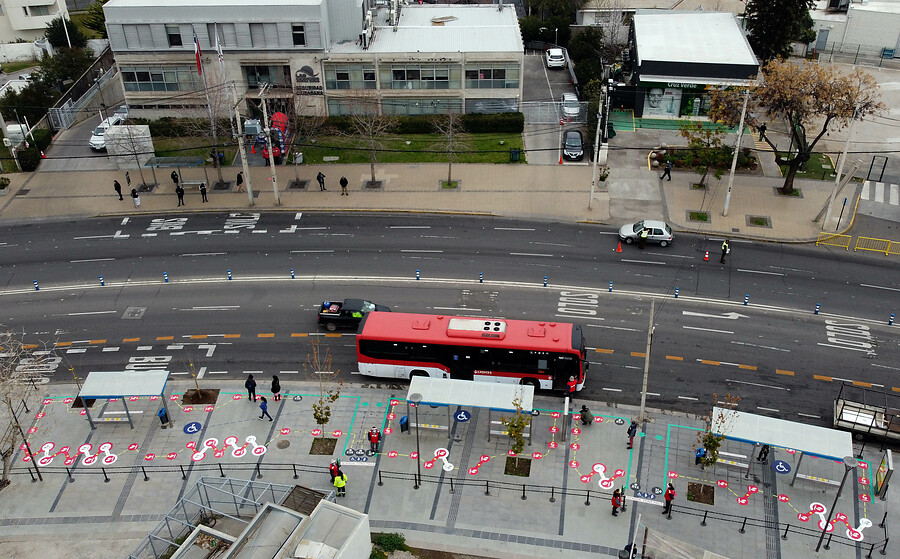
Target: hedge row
column 30, row 158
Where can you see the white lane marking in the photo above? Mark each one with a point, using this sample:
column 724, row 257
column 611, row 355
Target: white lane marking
column 767, row 409
column 105, row 349
column 95, row 237
column 288, row 372
column 77, row 350
column 879, row 287
column 760, row 272
column 301, row 251
column 761, row 346
column 550, row 244
column 182, row 373
column 217, row 372
column 144, row 348
column 149, row 234
column 652, row 393
column 708, row 330
column 91, row 312
column 464, row 309
column 612, row 389
column 409, row 227
column 260, row 231
column 415, row 250
column 91, row 260
column 614, row 327
column 604, row 233
column 513, row 229
column 886, row 367
column 758, row 384
column 124, row 221
column 809, row 415
column 252, row 372
column 729, row 315
column 580, row 317
column 643, row 262
column 203, row 254
column 310, row 228
column 175, row 346
column 214, row 308
column 298, row 215
column 436, row 237
column 688, row 398
column 201, row 373
column 530, row 254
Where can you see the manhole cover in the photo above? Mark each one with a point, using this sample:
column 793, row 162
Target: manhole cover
column 134, row 313
column 283, row 444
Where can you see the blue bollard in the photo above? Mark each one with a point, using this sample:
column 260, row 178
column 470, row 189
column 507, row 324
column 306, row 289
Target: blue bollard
column 229, row 273
column 36, row 288
column 166, row 276
column 480, row 277
column 417, row 274
column 545, row 281
column 817, row 307
column 676, row 292
column 746, row 299
column 101, row 281
column 292, row 273
column 610, row 287
column 890, row 322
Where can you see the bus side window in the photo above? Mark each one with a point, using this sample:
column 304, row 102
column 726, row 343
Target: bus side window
column 542, row 365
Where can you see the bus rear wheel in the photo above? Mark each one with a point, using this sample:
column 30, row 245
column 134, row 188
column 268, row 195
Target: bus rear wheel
column 531, row 382
column 417, row 374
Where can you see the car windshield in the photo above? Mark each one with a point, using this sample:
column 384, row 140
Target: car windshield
column 638, row 226
column 99, row 131
column 570, row 103
column 368, row 306
column 573, row 141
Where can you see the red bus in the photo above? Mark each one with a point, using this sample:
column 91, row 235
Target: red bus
column 401, row 345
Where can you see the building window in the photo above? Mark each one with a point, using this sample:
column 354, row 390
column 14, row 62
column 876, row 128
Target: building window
column 37, row 11
column 401, row 106
column 298, row 31
column 420, row 76
column 173, row 32
column 350, row 76
column 160, row 78
column 278, row 76
column 257, row 35
column 492, row 76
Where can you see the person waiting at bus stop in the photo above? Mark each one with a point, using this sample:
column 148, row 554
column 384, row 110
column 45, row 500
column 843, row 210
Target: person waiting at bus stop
column 570, row 387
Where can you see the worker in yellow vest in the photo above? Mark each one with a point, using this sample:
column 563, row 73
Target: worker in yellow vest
column 340, row 483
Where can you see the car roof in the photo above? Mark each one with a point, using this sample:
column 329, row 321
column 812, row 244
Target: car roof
column 573, row 133
column 555, row 52
column 569, row 97
column 654, row 223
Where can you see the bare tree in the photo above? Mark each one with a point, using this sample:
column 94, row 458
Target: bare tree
column 615, row 26
column 368, row 127
column 310, row 122
column 450, row 127
column 214, row 120
column 17, row 367
column 515, row 428
column 131, row 143
column 318, row 368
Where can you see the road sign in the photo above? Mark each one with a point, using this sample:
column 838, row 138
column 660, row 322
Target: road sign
column 781, row 467
column 462, row 416
column 192, row 428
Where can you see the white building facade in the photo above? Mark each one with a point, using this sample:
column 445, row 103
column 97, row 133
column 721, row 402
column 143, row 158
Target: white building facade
column 27, row 19
column 318, row 56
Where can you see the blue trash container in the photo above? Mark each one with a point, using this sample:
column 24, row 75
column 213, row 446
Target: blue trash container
column 163, row 416
column 404, row 424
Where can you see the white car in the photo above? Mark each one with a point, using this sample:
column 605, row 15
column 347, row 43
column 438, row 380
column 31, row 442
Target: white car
column 98, row 137
column 555, row 58
column 658, row 232
column 569, row 105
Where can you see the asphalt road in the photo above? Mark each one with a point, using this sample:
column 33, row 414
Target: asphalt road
column 775, row 353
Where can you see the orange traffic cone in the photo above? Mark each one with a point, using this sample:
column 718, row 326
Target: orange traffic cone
column 253, row 148
column 560, row 159
column 619, row 248
column 42, row 155
column 706, row 256
column 561, row 122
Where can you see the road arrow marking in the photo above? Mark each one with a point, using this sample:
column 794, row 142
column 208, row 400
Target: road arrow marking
column 729, row 316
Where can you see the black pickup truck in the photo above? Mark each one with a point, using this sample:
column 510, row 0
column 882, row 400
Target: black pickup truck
column 347, row 313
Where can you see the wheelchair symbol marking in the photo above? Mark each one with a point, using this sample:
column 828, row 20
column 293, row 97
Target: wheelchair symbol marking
column 463, row 416
column 192, row 427
column 781, row 467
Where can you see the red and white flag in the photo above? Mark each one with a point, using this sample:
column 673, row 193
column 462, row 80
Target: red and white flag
column 197, row 54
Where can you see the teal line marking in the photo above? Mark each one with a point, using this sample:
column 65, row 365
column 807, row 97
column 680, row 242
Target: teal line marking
column 352, row 422
column 668, row 439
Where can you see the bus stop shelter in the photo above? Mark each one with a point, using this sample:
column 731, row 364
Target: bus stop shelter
column 177, row 163
column 811, row 440
column 438, row 392
column 120, row 385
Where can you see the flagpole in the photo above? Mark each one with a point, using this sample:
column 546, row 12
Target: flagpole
column 212, row 121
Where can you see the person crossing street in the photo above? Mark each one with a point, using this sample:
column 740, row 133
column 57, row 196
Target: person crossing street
column 726, row 248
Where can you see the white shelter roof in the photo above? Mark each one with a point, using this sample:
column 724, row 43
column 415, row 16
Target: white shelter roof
column 692, row 37
column 812, row 440
column 115, row 384
column 471, row 393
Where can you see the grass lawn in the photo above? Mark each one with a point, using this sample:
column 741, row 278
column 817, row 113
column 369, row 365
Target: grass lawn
column 10, row 67
column 818, row 167
column 417, row 148
column 180, row 147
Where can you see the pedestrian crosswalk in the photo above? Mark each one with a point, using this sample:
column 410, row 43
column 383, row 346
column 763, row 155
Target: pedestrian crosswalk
column 881, row 192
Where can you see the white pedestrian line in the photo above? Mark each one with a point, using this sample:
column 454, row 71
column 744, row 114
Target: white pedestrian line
column 105, row 349
column 201, row 373
column 708, row 330
column 124, row 221
column 643, row 262
column 144, row 348
column 811, row 416
column 688, row 398
column 767, row 409
column 881, row 192
column 76, row 350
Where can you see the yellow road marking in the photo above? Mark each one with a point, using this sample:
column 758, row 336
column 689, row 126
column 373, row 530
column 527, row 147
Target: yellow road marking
column 863, row 384
column 638, row 354
column 299, row 335
column 126, row 340
column 271, row 335
column 748, row 367
column 674, row 358
column 63, row 344
column 708, row 362
column 29, row 346
column 164, row 338
column 98, row 341
column 232, row 336
column 602, row 350
column 783, row 372
column 820, row 377
column 199, row 336
column 335, row 335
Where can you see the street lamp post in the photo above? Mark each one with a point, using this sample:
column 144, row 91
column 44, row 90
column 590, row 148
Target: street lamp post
column 849, row 463
column 416, row 399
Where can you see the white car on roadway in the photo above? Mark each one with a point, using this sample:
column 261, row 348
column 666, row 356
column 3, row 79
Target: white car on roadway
column 555, row 58
column 569, row 105
column 98, row 137
column 658, row 232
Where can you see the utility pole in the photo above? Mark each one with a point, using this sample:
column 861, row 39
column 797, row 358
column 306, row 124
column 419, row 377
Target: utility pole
column 737, row 148
column 642, row 417
column 840, row 169
column 241, row 147
column 262, row 96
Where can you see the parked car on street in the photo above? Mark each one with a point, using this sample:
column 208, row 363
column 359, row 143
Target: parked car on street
column 660, row 232
column 555, row 58
column 573, row 145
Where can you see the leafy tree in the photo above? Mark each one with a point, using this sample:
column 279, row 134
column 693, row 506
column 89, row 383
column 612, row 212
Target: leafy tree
column 592, row 92
column 588, row 70
column 67, row 64
column 95, row 19
column 805, row 96
column 515, row 428
column 774, row 24
column 56, row 35
column 717, row 428
column 705, row 151
column 31, row 103
column 560, row 8
column 587, row 45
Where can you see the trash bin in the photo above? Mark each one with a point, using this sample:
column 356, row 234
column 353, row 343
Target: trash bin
column 221, row 158
column 514, row 154
column 610, row 130
column 404, row 424
column 163, row 416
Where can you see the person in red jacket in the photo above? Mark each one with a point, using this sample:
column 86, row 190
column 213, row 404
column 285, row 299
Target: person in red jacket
column 669, row 496
column 570, row 387
column 374, row 437
column 616, row 502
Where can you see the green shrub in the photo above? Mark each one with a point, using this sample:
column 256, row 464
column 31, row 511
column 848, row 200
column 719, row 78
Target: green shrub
column 390, row 542
column 377, row 554
column 513, row 123
column 419, row 124
column 30, row 158
column 42, row 137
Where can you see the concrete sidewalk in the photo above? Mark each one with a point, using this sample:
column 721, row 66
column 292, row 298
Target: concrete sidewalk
column 466, row 503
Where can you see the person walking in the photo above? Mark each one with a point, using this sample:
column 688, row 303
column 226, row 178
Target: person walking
column 239, row 181
column 179, row 191
column 762, row 131
column 642, row 238
column 203, row 192
column 571, row 384
column 340, row 483
column 135, row 198
column 174, row 176
column 586, row 416
column 632, row 431
column 118, row 188
column 669, row 496
column 699, row 455
column 250, row 385
column 725, row 250
column 616, row 502
column 668, row 170
column 276, row 388
column 374, row 437
column 264, row 407
column 763, row 453
column 344, row 184
column 321, row 180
